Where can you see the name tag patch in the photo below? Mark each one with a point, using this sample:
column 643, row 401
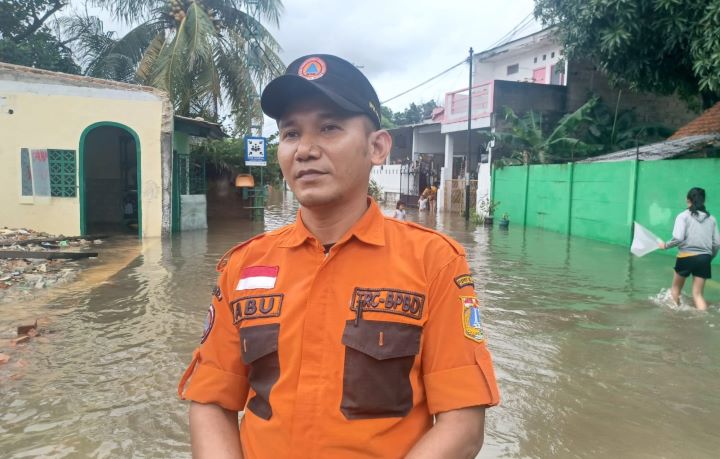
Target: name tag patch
column 256, row 307
column 389, row 301
column 465, row 280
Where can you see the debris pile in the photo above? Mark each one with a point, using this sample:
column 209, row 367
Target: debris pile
column 34, row 260
column 24, row 334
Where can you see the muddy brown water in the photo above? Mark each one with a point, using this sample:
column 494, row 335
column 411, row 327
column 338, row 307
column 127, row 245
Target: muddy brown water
column 591, row 360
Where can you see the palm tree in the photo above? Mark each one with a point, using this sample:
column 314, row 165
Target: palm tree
column 208, row 55
column 529, row 144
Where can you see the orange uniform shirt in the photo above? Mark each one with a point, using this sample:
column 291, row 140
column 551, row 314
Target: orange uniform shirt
column 346, row 354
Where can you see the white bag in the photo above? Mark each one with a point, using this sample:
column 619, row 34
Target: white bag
column 644, row 241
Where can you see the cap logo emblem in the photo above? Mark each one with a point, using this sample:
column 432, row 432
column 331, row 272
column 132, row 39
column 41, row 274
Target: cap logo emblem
column 312, row 69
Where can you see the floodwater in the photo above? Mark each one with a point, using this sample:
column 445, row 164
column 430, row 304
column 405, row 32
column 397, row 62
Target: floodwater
column 591, row 360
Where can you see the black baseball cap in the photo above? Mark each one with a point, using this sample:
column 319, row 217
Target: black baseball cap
column 327, row 75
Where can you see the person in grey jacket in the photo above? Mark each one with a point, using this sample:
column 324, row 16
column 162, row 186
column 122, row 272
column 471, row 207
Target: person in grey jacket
column 697, row 238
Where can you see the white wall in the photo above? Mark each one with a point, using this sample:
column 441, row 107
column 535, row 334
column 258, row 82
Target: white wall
column 430, row 143
column 389, row 178
column 483, row 190
column 528, row 61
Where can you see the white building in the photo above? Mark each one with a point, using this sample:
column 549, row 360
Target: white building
column 516, row 74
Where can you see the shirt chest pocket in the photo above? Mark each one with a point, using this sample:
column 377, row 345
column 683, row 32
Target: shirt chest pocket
column 378, row 359
column 259, row 345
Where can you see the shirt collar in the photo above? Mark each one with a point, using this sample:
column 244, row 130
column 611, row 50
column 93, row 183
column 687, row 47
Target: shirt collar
column 369, row 229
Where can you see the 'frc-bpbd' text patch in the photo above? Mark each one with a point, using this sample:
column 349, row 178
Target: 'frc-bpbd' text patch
column 390, row 301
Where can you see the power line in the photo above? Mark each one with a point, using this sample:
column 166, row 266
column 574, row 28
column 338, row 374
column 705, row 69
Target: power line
column 508, row 36
column 426, row 81
column 504, row 39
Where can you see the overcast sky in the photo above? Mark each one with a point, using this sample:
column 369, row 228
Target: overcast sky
column 397, row 43
column 400, row 43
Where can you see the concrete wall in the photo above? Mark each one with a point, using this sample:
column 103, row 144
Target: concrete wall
column 402, row 145
column 194, row 212
column 602, row 200
column 49, row 115
column 429, row 143
column 523, row 97
column 585, row 79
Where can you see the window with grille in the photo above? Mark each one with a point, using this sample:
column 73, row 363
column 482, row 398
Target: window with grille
column 512, row 69
column 63, row 170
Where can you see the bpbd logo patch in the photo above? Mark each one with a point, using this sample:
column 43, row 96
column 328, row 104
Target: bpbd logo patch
column 312, row 68
column 209, row 322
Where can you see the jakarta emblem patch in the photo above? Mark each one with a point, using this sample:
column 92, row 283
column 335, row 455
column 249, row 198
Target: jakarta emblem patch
column 209, row 322
column 471, row 318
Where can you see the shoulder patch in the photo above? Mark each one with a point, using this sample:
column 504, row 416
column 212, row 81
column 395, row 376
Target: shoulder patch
column 459, row 249
column 464, row 280
column 471, row 319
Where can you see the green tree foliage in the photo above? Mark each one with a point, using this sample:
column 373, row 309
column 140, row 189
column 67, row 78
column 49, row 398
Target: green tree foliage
column 530, row 142
column 26, row 39
column 413, row 114
column 226, row 158
column 593, row 129
column 207, row 54
column 661, row 46
column 375, row 190
column 610, row 130
column 386, row 118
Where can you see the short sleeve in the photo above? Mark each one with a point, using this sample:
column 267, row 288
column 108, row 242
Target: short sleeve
column 457, row 366
column 217, row 374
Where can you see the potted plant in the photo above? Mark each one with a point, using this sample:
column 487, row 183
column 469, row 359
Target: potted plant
column 486, row 207
column 505, row 222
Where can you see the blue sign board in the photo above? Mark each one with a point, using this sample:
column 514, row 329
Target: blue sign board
column 255, row 151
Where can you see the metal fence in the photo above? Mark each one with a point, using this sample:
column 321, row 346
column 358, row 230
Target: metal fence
column 455, row 195
column 191, row 174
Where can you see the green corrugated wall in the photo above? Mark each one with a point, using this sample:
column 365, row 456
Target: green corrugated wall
column 601, row 200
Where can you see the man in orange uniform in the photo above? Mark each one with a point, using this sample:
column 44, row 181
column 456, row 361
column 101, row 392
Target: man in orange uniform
column 345, row 334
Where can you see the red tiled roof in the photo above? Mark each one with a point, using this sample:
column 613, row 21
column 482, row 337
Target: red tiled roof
column 707, row 123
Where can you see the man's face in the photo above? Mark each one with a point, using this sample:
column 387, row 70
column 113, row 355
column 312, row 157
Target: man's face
column 325, row 154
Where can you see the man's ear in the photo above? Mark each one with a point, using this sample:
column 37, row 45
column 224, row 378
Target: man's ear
column 380, row 146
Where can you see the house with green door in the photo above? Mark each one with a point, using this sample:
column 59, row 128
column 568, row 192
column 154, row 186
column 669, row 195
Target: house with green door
column 86, row 156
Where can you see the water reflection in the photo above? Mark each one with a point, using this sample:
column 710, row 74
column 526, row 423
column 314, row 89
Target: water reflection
column 589, row 366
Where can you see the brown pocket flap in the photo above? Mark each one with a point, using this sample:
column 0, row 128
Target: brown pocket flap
column 258, row 341
column 382, row 340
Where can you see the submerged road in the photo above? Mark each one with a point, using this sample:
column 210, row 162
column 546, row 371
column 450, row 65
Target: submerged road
column 591, row 360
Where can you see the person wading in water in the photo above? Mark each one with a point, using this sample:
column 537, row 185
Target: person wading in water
column 698, row 241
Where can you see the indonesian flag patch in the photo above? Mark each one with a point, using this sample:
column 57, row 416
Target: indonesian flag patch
column 258, row 277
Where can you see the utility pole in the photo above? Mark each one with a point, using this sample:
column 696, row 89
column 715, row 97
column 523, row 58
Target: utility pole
column 469, row 141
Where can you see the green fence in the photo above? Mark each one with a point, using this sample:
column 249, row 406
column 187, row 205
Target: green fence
column 601, row 200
